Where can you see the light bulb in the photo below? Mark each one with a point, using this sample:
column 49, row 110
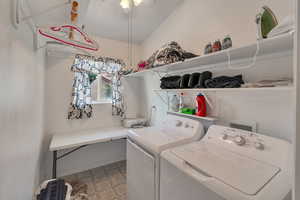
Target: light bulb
column 125, row 4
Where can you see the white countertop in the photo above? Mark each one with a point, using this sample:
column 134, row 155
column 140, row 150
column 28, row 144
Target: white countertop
column 85, row 137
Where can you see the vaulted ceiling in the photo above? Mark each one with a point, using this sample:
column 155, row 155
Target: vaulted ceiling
column 106, row 18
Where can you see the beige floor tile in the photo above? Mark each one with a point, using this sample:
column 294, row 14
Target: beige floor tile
column 122, row 171
column 112, row 171
column 100, row 177
column 120, row 190
column 115, row 176
column 90, row 183
column 81, row 197
column 79, row 188
column 107, row 195
column 93, row 197
column 122, row 198
column 117, row 179
column 103, row 183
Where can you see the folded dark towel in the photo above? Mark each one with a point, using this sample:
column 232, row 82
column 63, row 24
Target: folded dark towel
column 171, row 82
column 225, row 82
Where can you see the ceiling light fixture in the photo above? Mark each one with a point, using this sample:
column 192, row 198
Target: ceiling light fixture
column 125, row 4
column 128, row 4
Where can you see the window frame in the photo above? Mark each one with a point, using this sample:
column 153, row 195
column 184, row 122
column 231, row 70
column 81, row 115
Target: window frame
column 99, row 99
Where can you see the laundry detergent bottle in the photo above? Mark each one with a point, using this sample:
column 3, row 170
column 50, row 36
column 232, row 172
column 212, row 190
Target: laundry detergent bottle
column 201, row 104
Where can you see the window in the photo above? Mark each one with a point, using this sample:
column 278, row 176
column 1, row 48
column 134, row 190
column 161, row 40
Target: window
column 102, row 89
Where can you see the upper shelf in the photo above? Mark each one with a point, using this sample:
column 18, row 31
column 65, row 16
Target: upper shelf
column 273, row 45
column 262, row 89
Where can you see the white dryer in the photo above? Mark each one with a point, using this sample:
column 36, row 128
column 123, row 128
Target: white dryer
column 229, row 164
column 143, row 153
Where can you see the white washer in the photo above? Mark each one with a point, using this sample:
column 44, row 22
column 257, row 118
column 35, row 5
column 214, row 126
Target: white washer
column 229, row 164
column 143, row 153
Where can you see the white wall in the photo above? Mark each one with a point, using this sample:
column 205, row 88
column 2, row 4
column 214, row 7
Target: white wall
column 59, row 80
column 118, row 49
column 21, row 109
column 193, row 25
column 197, row 22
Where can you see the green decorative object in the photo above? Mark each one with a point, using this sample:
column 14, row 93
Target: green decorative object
column 189, row 111
column 266, row 21
column 92, row 77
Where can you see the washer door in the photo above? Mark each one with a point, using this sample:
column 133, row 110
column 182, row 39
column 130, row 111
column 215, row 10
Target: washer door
column 140, row 173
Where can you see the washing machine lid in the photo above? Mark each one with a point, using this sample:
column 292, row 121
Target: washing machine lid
column 244, row 174
column 159, row 139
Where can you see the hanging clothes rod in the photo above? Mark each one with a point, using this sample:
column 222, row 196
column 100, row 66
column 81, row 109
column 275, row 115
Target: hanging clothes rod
column 20, row 10
column 22, row 14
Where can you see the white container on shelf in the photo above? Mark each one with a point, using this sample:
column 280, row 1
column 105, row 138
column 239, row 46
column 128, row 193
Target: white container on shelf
column 175, row 103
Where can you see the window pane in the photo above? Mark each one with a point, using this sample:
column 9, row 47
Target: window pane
column 106, row 87
column 94, row 87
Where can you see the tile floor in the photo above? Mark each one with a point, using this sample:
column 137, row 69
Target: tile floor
column 103, row 183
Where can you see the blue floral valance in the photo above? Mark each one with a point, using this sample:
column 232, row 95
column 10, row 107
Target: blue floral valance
column 83, row 67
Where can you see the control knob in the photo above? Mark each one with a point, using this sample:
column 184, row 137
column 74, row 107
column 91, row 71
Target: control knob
column 178, row 123
column 225, row 136
column 240, row 140
column 259, row 146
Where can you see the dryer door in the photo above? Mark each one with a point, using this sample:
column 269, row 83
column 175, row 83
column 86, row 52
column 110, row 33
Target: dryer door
column 140, row 173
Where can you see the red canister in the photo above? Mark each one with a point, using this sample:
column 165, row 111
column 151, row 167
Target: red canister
column 217, row 46
column 201, row 111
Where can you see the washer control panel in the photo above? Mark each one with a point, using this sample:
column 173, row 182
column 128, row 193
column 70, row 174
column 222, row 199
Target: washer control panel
column 237, row 137
column 256, row 146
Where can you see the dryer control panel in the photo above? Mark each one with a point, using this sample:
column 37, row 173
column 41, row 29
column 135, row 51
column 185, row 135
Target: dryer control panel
column 177, row 124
